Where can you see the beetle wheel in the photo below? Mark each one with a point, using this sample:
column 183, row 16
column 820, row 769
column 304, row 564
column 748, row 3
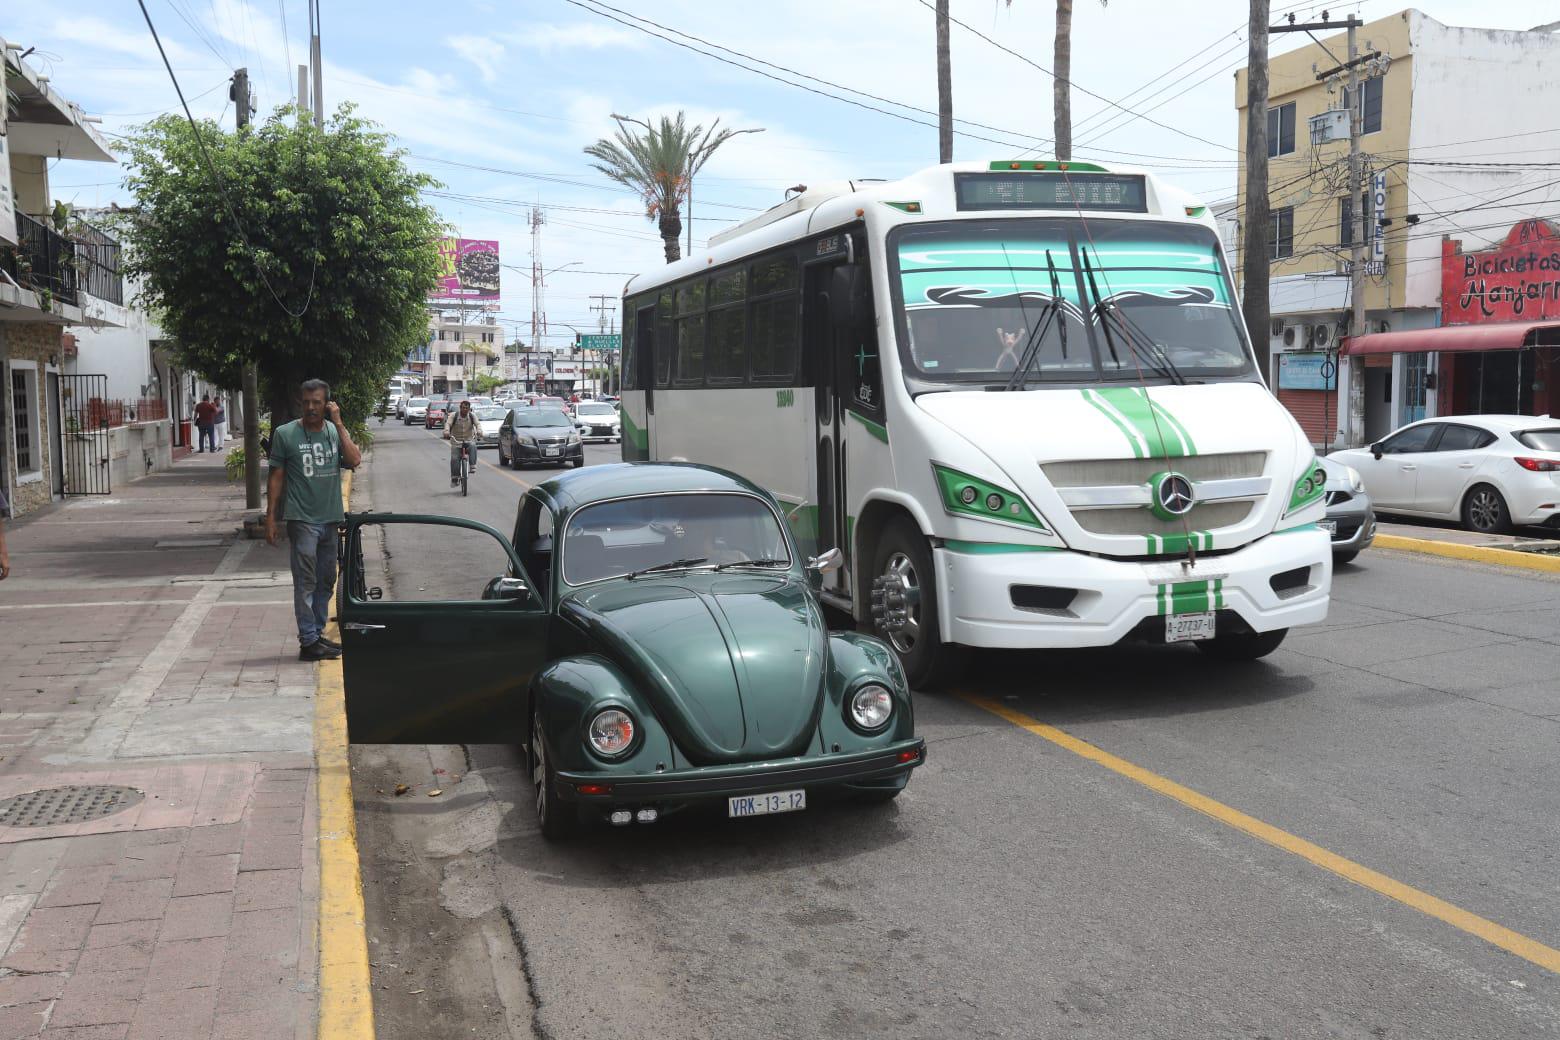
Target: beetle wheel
column 555, row 819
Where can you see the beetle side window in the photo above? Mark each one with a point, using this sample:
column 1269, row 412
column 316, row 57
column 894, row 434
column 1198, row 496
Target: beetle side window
column 534, row 544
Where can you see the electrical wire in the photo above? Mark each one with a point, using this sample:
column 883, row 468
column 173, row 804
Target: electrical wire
column 216, row 179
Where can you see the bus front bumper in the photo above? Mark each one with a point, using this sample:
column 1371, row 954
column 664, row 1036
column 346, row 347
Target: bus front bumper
column 1068, row 599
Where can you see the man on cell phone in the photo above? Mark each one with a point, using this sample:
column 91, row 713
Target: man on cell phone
column 461, row 428
column 305, row 491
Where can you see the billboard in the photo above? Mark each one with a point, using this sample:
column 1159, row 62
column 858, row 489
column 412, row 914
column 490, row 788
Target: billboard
column 1516, row 279
column 468, row 269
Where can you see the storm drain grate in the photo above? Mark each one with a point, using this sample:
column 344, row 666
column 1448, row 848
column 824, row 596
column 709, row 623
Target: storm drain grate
column 75, row 804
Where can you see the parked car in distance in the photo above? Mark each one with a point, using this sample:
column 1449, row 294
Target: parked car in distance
column 416, row 410
column 480, row 401
column 1491, row 472
column 1350, row 521
column 437, row 411
column 655, row 643
column 598, row 421
column 529, row 436
column 489, row 419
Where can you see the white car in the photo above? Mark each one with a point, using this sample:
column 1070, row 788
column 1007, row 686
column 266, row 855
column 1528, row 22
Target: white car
column 1489, row 471
column 489, row 419
column 598, row 421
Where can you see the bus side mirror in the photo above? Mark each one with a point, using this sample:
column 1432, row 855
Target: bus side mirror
column 850, row 302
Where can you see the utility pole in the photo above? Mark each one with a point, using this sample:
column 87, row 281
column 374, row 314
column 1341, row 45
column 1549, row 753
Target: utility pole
column 243, row 107
column 315, row 63
column 944, row 87
column 605, row 306
column 1254, row 234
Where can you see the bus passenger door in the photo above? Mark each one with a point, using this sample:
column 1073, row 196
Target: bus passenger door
column 638, row 405
column 820, row 345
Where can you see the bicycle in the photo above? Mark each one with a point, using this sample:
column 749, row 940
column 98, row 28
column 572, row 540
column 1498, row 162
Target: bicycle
column 465, row 466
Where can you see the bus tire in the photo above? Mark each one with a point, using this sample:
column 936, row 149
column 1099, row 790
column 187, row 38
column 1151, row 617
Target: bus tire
column 903, row 552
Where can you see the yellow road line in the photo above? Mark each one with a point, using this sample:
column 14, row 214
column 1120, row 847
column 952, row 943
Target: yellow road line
column 1530, row 950
column 1473, row 553
column 346, row 1010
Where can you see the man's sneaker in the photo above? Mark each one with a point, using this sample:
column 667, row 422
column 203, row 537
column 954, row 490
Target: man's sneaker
column 318, row 651
column 330, row 643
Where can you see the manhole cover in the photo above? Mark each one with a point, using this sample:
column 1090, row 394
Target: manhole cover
column 56, row 805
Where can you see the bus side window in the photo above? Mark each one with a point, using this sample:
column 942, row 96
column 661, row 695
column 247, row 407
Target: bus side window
column 725, row 361
column 664, row 343
column 862, row 374
column 774, row 320
column 690, row 334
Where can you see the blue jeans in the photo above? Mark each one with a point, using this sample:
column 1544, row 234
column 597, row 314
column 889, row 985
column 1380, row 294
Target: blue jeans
column 208, row 435
column 313, row 574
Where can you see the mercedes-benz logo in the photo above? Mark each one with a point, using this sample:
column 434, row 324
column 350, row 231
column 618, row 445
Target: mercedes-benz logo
column 1174, row 494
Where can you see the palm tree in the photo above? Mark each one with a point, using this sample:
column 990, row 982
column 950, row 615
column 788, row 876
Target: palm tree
column 1061, row 82
column 659, row 164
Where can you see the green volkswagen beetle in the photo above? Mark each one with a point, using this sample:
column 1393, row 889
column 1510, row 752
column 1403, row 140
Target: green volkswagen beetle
column 653, row 641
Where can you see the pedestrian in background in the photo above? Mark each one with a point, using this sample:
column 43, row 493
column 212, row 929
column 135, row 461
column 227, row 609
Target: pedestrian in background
column 305, row 492
column 5, row 558
column 205, row 420
column 220, row 422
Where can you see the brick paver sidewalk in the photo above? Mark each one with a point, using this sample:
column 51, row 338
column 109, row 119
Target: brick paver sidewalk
column 144, row 644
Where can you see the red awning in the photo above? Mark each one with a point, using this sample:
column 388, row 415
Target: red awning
column 1504, row 335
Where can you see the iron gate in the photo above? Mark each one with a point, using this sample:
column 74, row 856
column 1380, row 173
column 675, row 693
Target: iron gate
column 88, row 415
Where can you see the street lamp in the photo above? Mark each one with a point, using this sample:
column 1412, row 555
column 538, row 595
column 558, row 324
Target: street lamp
column 692, row 165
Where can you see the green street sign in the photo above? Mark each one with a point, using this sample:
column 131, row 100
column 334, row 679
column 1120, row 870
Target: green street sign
column 601, row 342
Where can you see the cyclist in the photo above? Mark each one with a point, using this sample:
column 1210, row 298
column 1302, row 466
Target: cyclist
column 461, row 428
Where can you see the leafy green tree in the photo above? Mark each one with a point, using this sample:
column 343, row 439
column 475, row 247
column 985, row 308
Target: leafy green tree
column 310, row 253
column 660, row 164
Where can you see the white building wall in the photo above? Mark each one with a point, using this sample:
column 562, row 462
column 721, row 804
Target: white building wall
column 124, row 355
column 1478, row 96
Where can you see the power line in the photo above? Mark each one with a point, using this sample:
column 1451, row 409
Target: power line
column 1082, row 90
column 216, row 179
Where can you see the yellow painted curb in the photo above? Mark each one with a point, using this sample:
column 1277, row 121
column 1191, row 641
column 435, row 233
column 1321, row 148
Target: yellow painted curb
column 346, row 1006
column 1472, row 553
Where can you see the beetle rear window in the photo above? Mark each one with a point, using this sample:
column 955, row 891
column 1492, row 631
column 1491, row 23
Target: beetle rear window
column 671, row 532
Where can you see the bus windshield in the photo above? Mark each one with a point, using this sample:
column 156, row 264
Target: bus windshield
column 1097, row 301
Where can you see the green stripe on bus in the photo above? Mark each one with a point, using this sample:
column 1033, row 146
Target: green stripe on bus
column 1186, row 597
column 877, row 430
column 1116, row 421
column 995, row 548
column 635, row 437
column 1162, row 436
column 1170, row 544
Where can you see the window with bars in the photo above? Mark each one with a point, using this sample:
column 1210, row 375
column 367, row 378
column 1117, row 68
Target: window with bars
column 1281, row 233
column 24, row 431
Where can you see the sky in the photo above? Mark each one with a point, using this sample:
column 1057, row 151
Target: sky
column 497, row 100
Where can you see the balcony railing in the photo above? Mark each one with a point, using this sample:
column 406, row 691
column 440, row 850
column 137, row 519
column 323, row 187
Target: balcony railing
column 46, row 261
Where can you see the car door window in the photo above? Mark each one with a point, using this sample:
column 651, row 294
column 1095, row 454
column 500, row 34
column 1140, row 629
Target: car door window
column 534, row 543
column 1412, row 441
column 1457, row 437
column 426, row 562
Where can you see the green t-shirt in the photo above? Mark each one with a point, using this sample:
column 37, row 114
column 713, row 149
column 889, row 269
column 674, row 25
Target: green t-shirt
column 312, row 462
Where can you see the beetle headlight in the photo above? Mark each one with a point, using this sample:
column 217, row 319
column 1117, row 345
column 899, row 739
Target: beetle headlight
column 871, row 707
column 611, row 732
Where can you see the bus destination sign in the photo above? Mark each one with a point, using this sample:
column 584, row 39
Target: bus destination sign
column 1121, row 192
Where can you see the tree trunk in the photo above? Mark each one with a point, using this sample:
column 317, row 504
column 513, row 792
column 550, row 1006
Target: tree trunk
column 671, row 234
column 1061, row 82
column 944, row 87
column 1254, row 232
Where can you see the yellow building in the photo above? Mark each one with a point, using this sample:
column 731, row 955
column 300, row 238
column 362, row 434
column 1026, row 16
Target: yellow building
column 1446, row 117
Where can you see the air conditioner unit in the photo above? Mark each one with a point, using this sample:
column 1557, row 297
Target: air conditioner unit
column 1320, row 334
column 1289, row 335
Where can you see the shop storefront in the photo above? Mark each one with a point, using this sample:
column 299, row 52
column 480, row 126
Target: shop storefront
column 1497, row 349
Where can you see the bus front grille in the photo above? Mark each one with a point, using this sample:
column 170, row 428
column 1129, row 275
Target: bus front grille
column 1125, row 520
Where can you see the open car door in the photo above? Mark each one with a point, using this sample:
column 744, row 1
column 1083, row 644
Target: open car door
column 441, row 632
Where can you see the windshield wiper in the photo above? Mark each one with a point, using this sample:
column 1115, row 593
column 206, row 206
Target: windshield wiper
column 1020, row 377
column 669, row 565
column 751, row 563
column 1108, row 311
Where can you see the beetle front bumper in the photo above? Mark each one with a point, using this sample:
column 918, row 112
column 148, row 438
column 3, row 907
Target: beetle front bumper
column 879, row 768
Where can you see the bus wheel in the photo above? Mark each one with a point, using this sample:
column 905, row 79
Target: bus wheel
column 902, row 556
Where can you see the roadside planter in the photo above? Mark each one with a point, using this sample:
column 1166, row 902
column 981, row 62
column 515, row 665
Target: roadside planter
column 655, row 643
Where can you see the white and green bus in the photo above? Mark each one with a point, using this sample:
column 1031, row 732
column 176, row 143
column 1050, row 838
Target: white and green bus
column 1021, row 392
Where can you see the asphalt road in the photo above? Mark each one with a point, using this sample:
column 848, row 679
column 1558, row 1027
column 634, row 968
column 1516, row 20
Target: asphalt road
column 1377, row 834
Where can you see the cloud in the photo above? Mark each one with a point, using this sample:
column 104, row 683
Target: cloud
column 480, row 52
column 547, row 36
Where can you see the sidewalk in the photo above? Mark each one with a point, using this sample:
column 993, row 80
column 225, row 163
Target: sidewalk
column 148, row 667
